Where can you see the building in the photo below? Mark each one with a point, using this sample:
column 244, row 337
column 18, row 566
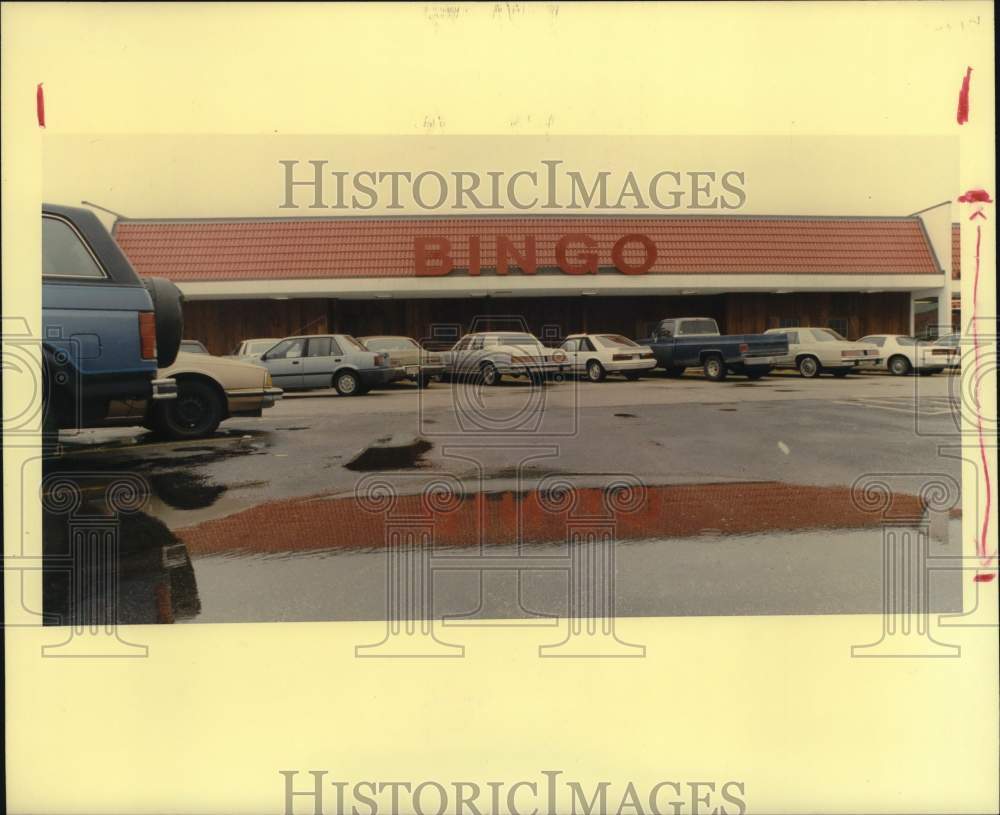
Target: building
column 431, row 277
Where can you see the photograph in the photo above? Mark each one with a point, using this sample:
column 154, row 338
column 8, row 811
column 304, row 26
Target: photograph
column 500, row 408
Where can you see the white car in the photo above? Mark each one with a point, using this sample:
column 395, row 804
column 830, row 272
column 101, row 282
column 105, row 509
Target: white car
column 251, row 350
column 598, row 355
column 902, row 354
column 813, row 351
column 490, row 356
column 948, row 348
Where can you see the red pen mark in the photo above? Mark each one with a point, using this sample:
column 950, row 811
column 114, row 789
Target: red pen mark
column 984, row 531
column 983, row 578
column 975, row 197
column 963, row 99
column 40, row 104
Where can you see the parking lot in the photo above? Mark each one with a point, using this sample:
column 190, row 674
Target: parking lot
column 747, row 505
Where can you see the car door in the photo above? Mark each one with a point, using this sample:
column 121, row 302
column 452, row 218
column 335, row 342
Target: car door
column 572, row 348
column 322, row 356
column 284, row 361
column 794, row 347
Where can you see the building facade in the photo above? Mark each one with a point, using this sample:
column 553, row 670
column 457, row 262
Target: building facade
column 433, row 278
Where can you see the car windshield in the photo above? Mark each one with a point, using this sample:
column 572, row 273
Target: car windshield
column 615, row 341
column 827, row 335
column 259, row 346
column 689, row 327
column 906, row 340
column 949, row 340
column 193, row 347
column 351, row 341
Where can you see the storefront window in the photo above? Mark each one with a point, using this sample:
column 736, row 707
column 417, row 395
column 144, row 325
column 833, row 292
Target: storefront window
column 925, row 318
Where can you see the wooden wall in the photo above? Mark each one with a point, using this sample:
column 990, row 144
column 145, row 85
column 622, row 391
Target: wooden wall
column 883, row 313
column 224, row 324
column 221, row 325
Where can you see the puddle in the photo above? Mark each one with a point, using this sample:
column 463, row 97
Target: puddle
column 184, row 490
column 388, row 453
column 626, row 416
column 687, row 549
column 506, row 516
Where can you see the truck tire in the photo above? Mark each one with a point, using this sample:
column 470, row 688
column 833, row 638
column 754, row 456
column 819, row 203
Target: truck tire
column 167, row 300
column 714, row 367
column 808, row 367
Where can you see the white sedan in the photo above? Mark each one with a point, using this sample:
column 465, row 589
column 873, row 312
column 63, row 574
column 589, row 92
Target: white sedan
column 812, row 351
column 902, row 354
column 598, row 355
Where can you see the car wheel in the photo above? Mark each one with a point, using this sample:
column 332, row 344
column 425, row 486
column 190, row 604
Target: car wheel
column 899, row 365
column 196, row 411
column 841, row 374
column 347, row 383
column 714, row 367
column 595, row 371
column 632, row 376
column 489, row 374
column 674, row 373
column 808, row 367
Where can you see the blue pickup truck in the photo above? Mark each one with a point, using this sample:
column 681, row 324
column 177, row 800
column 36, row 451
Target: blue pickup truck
column 106, row 331
column 687, row 342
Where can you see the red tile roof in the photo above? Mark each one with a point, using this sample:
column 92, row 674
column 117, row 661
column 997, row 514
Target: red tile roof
column 956, row 251
column 259, row 249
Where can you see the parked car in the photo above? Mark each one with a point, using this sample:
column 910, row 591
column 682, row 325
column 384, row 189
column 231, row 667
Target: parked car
column 902, row 354
column 597, row 355
column 193, row 347
column 952, row 343
column 814, row 351
column 106, row 330
column 490, row 356
column 209, row 390
column 685, row 342
column 252, row 349
column 419, row 364
column 328, row 360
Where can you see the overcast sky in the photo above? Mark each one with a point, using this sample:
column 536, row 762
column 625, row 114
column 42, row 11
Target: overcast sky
column 220, row 176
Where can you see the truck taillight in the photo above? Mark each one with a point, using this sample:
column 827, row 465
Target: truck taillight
column 147, row 334
column 744, row 347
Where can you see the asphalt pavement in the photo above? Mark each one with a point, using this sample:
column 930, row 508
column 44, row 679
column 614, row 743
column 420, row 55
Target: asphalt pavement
column 746, row 498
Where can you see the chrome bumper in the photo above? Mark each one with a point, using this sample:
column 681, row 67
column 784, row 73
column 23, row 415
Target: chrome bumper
column 164, row 388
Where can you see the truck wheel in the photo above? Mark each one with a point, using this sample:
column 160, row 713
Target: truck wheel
column 489, row 374
column 674, row 373
column 714, row 367
column 347, row 383
column 808, row 367
column 167, row 299
column 632, row 376
column 196, row 411
column 595, row 371
column 899, row 365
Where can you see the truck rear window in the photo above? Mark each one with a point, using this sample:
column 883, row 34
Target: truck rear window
column 688, row 327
